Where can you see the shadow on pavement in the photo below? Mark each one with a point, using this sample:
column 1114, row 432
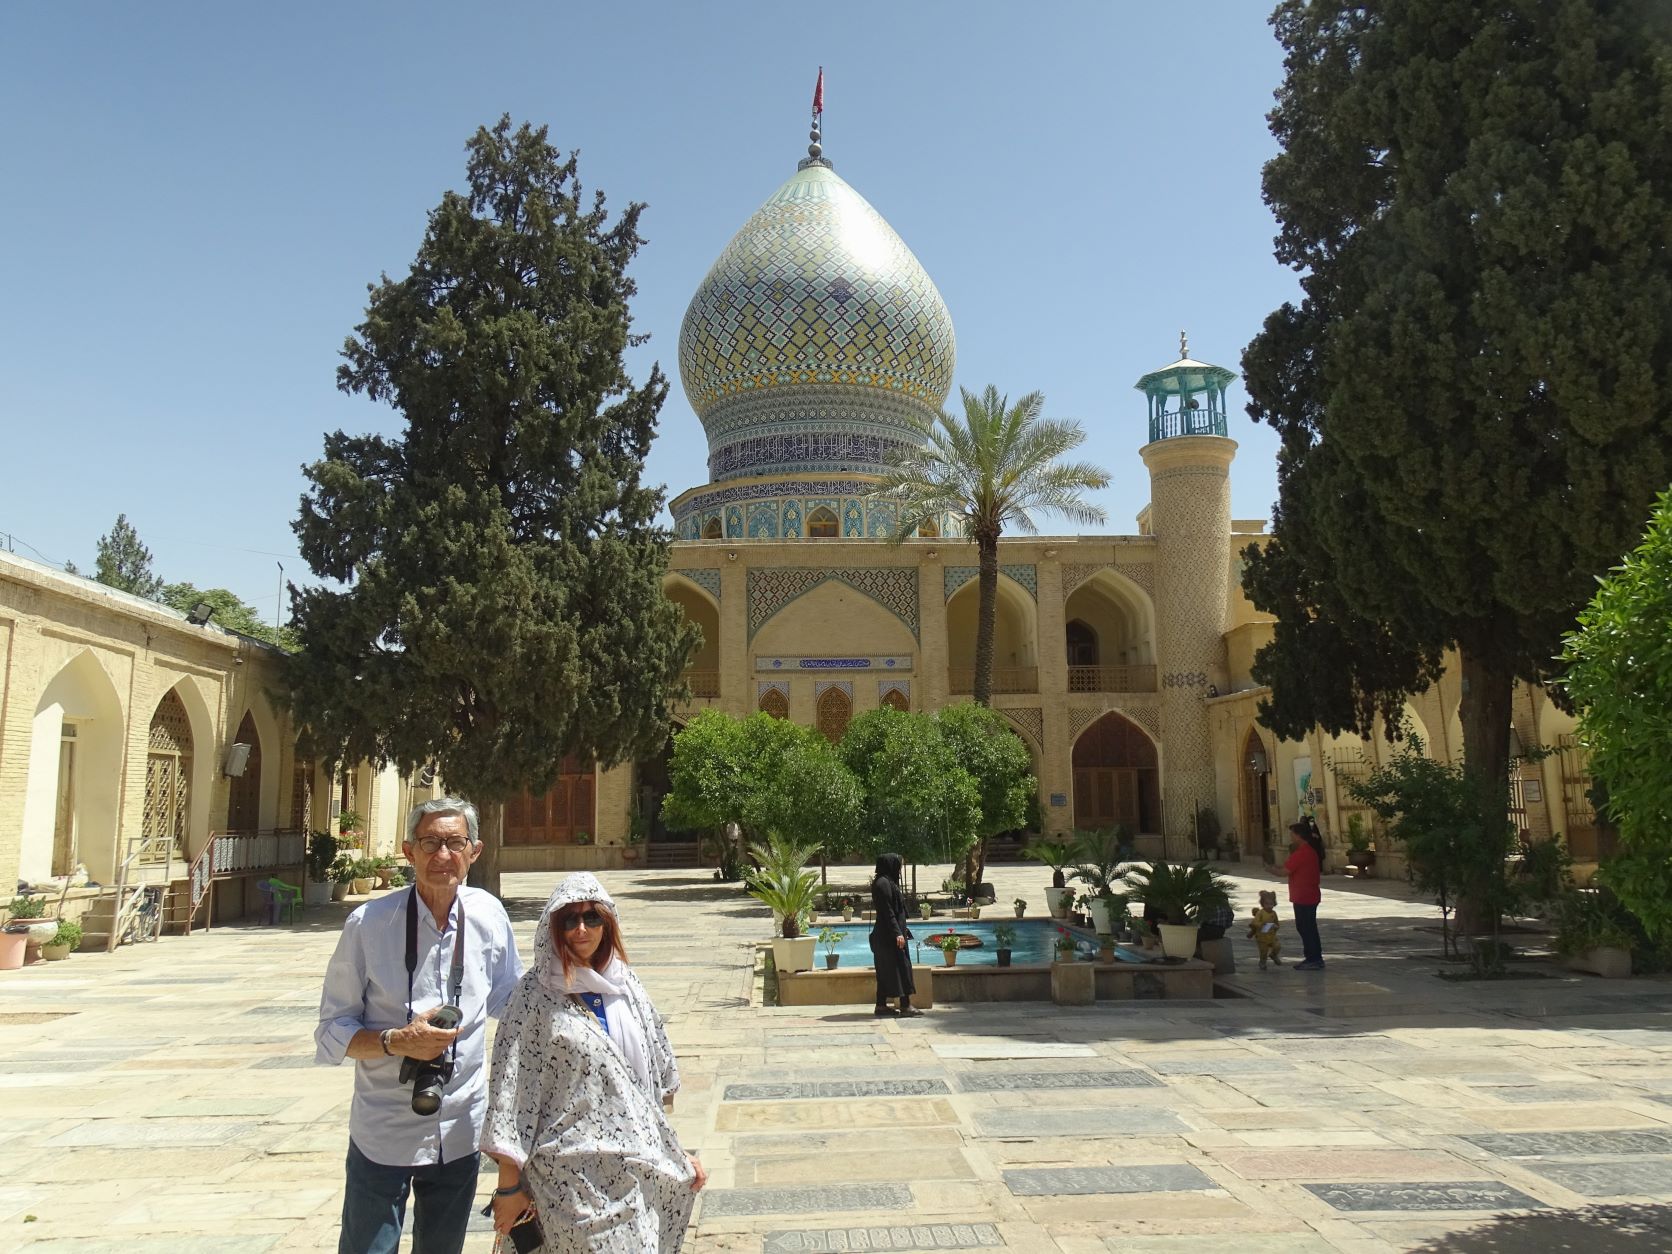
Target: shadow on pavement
column 1593, row 1230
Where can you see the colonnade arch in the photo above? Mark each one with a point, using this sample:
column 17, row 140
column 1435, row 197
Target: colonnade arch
column 72, row 800
column 1015, row 638
column 1117, row 776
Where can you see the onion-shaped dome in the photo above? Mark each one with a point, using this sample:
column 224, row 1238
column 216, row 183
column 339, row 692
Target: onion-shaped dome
column 816, row 343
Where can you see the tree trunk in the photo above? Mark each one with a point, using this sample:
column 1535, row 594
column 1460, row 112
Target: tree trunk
column 484, row 872
column 986, row 618
column 1488, row 696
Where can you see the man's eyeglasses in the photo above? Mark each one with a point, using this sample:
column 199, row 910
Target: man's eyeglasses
column 434, row 844
column 591, row 918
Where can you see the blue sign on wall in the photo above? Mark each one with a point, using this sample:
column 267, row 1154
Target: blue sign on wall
column 1059, row 799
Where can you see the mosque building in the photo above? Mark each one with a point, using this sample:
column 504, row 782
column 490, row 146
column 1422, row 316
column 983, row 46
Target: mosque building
column 813, row 350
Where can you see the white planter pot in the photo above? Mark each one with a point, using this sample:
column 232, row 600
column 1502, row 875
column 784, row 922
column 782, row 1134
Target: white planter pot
column 42, row 933
column 1178, row 940
column 316, row 894
column 1611, row 964
column 793, row 955
column 1100, row 917
column 1057, row 900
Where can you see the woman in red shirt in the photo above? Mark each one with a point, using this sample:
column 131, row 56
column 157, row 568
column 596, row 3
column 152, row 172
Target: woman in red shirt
column 1306, row 868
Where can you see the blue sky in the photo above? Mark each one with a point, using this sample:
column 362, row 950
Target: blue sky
column 199, row 194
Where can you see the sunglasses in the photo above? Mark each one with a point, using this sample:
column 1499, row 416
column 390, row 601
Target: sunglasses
column 591, row 918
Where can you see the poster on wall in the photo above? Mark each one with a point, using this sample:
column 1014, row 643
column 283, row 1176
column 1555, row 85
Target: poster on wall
column 1303, row 788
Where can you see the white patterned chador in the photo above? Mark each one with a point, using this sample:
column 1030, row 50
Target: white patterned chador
column 579, row 1106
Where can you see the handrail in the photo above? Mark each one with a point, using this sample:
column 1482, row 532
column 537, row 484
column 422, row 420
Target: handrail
column 128, row 907
column 1111, row 679
column 705, row 685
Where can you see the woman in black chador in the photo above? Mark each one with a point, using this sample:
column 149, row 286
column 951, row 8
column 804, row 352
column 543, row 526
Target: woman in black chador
column 889, row 935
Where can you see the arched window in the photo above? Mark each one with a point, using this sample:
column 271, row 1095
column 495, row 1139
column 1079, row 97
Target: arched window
column 711, row 529
column 929, row 529
column 835, row 709
column 1082, row 644
column 894, row 699
column 168, row 774
column 774, row 702
column 821, row 524
column 243, row 802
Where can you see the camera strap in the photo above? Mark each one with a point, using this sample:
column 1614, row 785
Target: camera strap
column 455, row 975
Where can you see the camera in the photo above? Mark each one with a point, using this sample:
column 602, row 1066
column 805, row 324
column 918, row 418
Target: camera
column 429, row 1077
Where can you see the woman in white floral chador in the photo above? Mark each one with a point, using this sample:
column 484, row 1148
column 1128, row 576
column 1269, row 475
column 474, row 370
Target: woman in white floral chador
column 582, row 1074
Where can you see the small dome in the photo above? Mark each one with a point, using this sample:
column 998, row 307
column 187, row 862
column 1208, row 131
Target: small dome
column 816, row 341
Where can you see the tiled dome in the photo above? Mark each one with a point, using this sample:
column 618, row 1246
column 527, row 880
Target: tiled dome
column 815, row 339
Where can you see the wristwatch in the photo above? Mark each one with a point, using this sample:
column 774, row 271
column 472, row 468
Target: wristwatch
column 383, row 1040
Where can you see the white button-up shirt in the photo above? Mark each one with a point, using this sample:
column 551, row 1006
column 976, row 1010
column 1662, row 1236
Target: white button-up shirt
column 365, row 987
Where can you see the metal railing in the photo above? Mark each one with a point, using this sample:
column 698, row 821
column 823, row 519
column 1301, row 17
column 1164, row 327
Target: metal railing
column 239, row 853
column 1111, row 679
column 704, row 685
column 960, row 680
column 1186, row 422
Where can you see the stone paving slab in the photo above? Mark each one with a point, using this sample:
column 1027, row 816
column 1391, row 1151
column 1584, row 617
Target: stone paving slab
column 1078, row 1123
column 823, row 1199
column 1556, row 1144
column 1069, row 1181
column 822, row 1089
column 1002, row 1081
column 157, row 1132
column 883, row 1239
column 1458, row 1195
column 1623, row 1177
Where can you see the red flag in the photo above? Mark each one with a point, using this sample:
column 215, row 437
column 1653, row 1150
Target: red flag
column 818, row 93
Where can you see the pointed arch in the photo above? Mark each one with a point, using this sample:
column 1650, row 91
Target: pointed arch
column 170, row 758
column 1117, row 776
column 72, row 800
column 1015, row 638
column 833, row 712
column 822, row 524
column 243, row 802
column 1255, row 766
column 774, row 702
column 712, row 529
column 894, row 699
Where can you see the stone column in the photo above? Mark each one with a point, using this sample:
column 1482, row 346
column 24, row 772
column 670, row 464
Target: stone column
column 1190, row 514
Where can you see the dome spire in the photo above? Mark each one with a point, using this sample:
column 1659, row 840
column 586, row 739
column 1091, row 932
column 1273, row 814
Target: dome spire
column 815, row 149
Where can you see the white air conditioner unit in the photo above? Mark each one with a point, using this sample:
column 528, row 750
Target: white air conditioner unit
column 237, row 758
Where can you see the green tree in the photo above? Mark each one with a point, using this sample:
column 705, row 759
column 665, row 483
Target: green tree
column 993, row 468
column 917, row 799
column 123, row 562
column 767, row 776
column 230, row 612
column 504, row 605
column 984, row 745
column 1620, row 676
column 1474, row 397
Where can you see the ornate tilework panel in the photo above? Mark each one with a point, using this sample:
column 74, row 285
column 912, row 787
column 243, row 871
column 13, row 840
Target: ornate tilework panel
column 833, row 710
column 708, row 502
column 1076, row 573
column 774, row 699
column 734, row 522
column 824, row 685
column 1081, row 717
column 816, row 288
column 892, row 587
column 1140, row 573
column 791, row 529
column 853, row 520
column 1031, row 719
column 769, row 450
column 955, row 577
column 882, row 520
column 763, row 521
column 707, row 580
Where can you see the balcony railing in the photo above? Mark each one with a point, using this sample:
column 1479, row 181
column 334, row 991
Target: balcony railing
column 1006, row 679
column 704, row 685
column 1111, row 679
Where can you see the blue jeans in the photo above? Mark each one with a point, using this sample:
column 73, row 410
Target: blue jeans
column 374, row 1205
column 1306, row 923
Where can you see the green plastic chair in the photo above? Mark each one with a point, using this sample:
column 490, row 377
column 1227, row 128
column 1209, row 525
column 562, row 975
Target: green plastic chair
column 286, row 898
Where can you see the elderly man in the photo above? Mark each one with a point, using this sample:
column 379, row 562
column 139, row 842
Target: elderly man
column 402, row 964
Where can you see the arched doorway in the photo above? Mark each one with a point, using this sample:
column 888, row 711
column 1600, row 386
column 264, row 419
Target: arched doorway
column 1256, row 793
column 834, row 711
column 1082, row 644
column 168, row 775
column 243, row 803
column 72, row 799
column 1015, row 652
column 1116, row 776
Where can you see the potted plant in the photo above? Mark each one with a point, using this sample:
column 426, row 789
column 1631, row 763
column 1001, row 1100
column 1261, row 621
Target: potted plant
column 322, row 852
column 583, row 838
column 1179, row 894
column 1592, row 933
column 350, row 827
column 1233, row 851
column 1106, row 949
column 830, row 938
column 789, row 894
column 1004, row 936
column 1360, row 856
column 27, row 929
column 925, row 909
column 975, row 910
column 1064, row 946
column 342, row 875
column 1055, row 854
column 384, row 868
column 1021, row 904
column 63, row 942
column 365, row 875
column 950, row 942
column 1097, row 862
column 847, row 910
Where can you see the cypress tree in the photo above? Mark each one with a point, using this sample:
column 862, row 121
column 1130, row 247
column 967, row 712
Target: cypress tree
column 503, row 605
column 1473, row 395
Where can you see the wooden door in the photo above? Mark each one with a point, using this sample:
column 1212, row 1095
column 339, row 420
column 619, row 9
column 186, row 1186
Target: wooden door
column 1106, row 795
column 63, row 829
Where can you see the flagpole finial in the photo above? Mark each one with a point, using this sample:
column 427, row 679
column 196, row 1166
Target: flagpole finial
column 1184, row 346
column 815, row 149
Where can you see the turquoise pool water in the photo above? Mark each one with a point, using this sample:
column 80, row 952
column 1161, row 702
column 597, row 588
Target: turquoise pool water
column 1035, row 940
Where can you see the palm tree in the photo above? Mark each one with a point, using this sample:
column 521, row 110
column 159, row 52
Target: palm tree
column 993, row 469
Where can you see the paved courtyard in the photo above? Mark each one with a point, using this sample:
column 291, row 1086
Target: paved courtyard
column 162, row 1100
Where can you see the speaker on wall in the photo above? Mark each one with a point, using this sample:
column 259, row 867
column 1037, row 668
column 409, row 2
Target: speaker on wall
column 237, row 758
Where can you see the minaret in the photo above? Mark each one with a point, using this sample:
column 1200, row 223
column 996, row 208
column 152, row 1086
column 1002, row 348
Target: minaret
column 1189, row 459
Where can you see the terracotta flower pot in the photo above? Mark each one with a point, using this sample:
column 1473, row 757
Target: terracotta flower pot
column 950, row 957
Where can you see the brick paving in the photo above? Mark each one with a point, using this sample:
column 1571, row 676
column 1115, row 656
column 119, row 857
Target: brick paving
column 161, row 1099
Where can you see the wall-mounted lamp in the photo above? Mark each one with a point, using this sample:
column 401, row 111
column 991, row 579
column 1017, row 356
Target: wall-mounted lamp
column 201, row 613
